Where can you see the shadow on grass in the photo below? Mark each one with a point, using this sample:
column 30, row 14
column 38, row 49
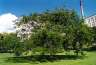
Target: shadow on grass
column 93, row 48
column 42, row 58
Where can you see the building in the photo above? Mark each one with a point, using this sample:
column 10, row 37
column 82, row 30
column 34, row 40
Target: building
column 24, row 30
column 91, row 21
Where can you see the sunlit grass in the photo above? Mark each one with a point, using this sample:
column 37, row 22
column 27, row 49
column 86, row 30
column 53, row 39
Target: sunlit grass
column 90, row 59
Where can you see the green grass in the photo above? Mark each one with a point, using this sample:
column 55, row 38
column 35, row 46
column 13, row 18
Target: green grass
column 90, row 59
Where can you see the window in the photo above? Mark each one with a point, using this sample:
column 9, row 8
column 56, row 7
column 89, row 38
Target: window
column 92, row 19
column 95, row 18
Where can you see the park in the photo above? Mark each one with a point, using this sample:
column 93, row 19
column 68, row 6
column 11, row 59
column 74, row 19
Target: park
column 55, row 37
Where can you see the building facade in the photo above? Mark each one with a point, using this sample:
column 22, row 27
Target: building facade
column 25, row 30
column 91, row 21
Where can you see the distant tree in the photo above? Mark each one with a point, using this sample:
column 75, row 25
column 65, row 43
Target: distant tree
column 8, row 41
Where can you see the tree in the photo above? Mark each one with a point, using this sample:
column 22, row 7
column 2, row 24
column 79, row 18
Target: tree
column 8, row 42
column 59, row 29
column 83, row 37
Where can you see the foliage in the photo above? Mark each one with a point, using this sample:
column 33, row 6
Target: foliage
column 8, row 41
column 59, row 30
column 50, row 42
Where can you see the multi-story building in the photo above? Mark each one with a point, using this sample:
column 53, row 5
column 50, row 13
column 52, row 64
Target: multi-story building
column 24, row 30
column 91, row 21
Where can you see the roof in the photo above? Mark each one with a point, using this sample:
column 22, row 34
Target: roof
column 90, row 16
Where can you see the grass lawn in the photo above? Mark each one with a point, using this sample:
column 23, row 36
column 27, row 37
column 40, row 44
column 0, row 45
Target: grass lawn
column 90, row 59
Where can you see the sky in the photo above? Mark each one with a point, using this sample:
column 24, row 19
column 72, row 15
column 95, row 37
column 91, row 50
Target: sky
column 16, row 8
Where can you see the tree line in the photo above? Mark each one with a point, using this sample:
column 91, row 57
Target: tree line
column 60, row 30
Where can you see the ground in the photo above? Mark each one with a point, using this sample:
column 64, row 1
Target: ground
column 90, row 59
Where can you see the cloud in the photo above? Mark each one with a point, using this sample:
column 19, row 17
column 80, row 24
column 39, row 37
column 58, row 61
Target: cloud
column 6, row 22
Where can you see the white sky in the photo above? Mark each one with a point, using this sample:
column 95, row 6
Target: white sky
column 6, row 22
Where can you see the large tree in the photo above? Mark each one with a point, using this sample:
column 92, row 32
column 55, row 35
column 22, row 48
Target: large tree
column 59, row 29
